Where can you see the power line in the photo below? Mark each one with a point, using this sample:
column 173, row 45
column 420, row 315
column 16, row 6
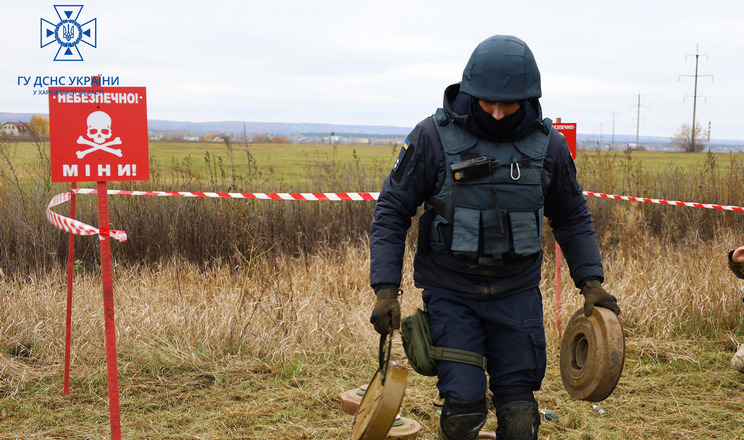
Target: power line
column 638, row 118
column 695, row 95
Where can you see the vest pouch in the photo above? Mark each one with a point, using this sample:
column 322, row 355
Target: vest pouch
column 495, row 233
column 422, row 356
column 465, row 232
column 525, row 232
column 439, row 230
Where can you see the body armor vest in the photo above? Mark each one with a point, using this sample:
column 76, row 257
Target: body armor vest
column 487, row 218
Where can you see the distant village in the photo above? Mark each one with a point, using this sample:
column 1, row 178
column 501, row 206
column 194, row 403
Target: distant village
column 22, row 130
column 309, row 138
column 40, row 125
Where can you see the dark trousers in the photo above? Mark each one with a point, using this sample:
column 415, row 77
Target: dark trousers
column 509, row 331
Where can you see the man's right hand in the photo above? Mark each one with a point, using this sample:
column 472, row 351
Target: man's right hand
column 386, row 313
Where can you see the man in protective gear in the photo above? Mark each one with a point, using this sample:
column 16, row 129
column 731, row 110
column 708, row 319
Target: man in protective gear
column 487, row 168
column 736, row 264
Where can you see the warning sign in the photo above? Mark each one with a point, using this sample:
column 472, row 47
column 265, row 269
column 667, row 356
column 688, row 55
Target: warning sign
column 568, row 130
column 98, row 134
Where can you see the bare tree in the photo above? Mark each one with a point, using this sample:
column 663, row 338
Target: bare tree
column 685, row 141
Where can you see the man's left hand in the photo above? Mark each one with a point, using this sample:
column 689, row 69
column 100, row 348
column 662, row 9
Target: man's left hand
column 595, row 295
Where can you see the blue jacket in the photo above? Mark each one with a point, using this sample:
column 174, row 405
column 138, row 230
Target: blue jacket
column 419, row 173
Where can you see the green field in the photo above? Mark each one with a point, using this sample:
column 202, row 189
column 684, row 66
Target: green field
column 276, row 164
column 302, row 164
column 659, row 161
column 280, row 160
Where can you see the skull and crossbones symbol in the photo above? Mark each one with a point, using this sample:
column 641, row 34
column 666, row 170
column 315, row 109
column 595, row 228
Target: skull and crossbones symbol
column 99, row 131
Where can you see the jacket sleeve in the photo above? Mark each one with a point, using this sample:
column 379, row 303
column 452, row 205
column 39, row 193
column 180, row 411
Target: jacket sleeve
column 568, row 216
column 413, row 178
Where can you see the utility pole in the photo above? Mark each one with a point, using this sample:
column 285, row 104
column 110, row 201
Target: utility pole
column 695, row 95
column 638, row 119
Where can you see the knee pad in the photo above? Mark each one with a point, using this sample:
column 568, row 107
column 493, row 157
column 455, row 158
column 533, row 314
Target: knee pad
column 502, row 396
column 518, row 420
column 462, row 420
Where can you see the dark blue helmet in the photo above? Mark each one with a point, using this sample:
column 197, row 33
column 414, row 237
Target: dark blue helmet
column 502, row 68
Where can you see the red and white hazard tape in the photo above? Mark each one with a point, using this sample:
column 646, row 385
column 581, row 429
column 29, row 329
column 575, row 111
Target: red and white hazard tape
column 260, row 196
column 666, row 202
column 74, row 226
column 80, row 228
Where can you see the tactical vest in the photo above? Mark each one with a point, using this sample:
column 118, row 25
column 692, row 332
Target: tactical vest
column 487, row 218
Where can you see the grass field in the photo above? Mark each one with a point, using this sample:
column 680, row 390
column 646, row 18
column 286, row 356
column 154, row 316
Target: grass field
column 247, row 320
column 284, row 159
column 290, row 162
column 284, row 166
column 658, row 161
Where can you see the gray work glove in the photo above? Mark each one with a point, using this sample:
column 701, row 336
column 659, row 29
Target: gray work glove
column 595, row 295
column 386, row 313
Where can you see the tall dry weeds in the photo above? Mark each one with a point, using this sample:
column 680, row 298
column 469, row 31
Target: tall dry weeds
column 201, row 231
column 205, row 279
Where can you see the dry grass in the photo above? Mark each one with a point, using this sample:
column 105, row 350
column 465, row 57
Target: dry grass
column 247, row 320
column 313, row 303
column 264, row 352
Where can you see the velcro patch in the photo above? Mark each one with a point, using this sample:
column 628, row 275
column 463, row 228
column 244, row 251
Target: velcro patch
column 403, row 158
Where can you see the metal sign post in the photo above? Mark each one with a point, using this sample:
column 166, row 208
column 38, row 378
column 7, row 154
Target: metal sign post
column 568, row 130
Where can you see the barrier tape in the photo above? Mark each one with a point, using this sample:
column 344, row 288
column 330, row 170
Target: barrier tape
column 79, row 228
column 259, row 196
column 74, row 226
column 666, row 202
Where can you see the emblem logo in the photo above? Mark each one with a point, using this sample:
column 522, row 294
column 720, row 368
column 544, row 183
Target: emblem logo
column 68, row 33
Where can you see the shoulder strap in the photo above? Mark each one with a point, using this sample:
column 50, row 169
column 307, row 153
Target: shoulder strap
column 430, row 129
column 454, row 138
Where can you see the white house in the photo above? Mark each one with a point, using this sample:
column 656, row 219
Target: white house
column 14, row 129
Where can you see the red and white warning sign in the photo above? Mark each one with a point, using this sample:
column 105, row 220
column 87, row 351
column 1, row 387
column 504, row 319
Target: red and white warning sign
column 568, row 130
column 98, row 134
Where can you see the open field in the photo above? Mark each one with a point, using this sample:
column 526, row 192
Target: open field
column 658, row 161
column 247, row 319
column 278, row 166
column 289, row 163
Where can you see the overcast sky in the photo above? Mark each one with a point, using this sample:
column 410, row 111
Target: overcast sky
column 387, row 62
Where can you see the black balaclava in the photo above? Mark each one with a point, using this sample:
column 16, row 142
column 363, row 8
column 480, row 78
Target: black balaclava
column 515, row 126
column 494, row 128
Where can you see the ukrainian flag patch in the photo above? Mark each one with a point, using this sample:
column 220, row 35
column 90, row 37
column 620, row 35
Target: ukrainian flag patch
column 402, row 155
